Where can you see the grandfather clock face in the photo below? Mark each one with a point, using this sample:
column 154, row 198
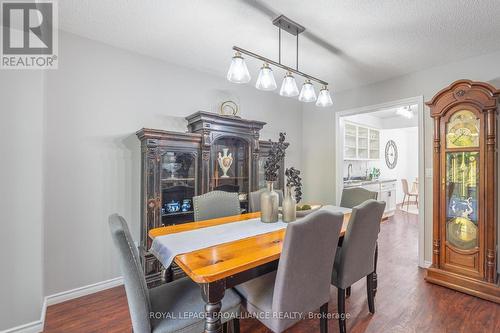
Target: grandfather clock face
column 462, row 130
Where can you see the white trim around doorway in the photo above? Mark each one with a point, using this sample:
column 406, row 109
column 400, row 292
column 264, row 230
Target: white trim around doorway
column 339, row 157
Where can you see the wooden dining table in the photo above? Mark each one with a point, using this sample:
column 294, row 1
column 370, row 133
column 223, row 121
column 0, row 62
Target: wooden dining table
column 223, row 266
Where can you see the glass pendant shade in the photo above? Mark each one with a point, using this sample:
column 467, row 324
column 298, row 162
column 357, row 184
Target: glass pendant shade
column 324, row 98
column 289, row 86
column 238, row 71
column 307, row 93
column 265, row 81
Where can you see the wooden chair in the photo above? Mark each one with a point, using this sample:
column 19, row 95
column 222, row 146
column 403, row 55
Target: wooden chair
column 408, row 194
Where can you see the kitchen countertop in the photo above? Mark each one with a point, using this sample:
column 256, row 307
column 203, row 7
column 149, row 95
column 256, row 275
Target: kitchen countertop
column 357, row 183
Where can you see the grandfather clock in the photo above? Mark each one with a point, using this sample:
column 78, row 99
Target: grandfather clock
column 465, row 189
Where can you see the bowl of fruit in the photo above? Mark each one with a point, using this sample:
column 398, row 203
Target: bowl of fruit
column 306, row 209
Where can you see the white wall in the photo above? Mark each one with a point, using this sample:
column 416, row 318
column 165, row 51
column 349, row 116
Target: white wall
column 21, row 193
column 96, row 100
column 399, row 122
column 423, row 83
column 407, row 164
column 318, row 156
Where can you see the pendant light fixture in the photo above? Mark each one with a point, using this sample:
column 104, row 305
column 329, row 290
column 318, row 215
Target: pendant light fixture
column 405, row 111
column 238, row 71
column 265, row 81
column 289, row 86
column 307, row 93
column 324, row 98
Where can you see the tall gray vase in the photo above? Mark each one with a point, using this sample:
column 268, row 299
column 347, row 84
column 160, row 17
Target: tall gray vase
column 289, row 206
column 269, row 202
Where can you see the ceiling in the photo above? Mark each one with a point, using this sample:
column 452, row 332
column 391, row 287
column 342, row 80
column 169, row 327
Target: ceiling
column 348, row 43
column 391, row 113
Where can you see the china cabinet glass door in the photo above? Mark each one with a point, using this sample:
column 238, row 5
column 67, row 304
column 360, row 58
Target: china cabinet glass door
column 178, row 186
column 230, row 168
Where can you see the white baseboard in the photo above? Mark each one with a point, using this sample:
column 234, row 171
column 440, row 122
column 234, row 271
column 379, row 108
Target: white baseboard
column 37, row 326
column 83, row 291
column 33, row 327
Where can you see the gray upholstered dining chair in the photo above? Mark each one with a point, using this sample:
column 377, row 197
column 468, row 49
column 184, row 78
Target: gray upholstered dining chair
column 254, row 199
column 354, row 196
column 153, row 310
column 356, row 258
column 216, row 204
column 302, row 282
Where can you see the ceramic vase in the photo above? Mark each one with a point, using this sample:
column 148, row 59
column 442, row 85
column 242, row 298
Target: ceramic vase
column 269, row 202
column 289, row 206
column 225, row 161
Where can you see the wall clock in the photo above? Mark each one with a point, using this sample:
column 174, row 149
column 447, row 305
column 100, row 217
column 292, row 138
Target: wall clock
column 391, row 154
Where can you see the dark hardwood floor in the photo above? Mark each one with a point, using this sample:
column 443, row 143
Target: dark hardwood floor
column 404, row 303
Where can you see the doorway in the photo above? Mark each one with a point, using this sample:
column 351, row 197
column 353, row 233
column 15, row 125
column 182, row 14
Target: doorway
column 381, row 148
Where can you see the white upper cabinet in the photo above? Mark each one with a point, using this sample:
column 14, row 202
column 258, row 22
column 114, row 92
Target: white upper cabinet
column 350, row 140
column 374, row 144
column 361, row 142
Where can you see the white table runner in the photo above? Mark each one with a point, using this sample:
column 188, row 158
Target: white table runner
column 166, row 247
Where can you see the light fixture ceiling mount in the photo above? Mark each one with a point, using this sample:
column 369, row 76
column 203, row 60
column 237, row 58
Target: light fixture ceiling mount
column 405, row 111
column 238, row 72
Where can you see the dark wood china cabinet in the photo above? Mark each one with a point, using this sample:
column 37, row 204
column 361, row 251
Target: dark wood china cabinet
column 465, row 189
column 177, row 166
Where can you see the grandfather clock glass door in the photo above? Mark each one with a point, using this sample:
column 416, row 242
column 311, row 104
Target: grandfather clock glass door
column 461, row 184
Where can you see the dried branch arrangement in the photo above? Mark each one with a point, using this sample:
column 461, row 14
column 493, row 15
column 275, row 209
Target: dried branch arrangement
column 293, row 179
column 276, row 154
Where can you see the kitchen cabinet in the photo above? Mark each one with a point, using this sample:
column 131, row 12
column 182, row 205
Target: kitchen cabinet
column 388, row 194
column 361, row 142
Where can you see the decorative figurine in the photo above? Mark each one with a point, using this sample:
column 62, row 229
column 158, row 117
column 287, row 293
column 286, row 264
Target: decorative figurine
column 186, row 205
column 225, row 161
column 173, row 206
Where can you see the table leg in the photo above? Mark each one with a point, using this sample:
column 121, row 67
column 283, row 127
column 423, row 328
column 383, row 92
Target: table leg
column 212, row 294
column 375, row 271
